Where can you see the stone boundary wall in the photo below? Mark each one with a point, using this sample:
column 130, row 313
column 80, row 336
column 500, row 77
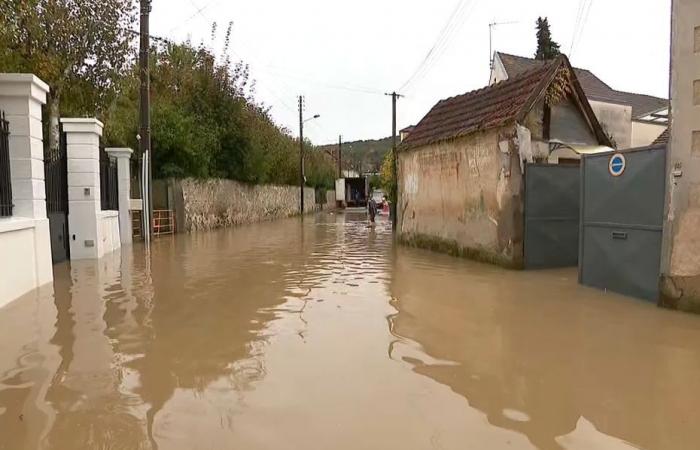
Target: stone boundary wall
column 216, row 203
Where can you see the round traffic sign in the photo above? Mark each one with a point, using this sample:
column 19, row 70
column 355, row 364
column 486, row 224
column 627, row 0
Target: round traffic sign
column 617, row 164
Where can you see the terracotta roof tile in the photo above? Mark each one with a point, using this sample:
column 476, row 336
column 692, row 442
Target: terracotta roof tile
column 482, row 109
column 663, row 138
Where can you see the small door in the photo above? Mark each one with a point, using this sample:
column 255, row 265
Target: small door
column 58, row 226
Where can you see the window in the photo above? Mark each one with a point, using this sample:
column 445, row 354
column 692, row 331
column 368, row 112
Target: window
column 697, row 39
column 5, row 182
column 695, row 148
column 696, row 92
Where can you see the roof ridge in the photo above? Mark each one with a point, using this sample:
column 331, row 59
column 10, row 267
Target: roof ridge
column 575, row 68
column 523, row 74
column 643, row 95
column 484, row 108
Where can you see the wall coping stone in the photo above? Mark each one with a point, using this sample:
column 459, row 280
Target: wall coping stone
column 119, row 152
column 16, row 224
column 82, row 125
column 29, row 86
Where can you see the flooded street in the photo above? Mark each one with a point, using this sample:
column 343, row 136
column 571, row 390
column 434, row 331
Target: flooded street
column 321, row 334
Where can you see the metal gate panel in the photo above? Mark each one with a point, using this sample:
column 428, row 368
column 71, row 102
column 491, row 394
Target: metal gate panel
column 622, row 223
column 56, row 181
column 552, row 213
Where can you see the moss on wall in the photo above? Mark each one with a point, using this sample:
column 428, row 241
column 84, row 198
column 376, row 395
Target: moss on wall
column 453, row 248
column 681, row 293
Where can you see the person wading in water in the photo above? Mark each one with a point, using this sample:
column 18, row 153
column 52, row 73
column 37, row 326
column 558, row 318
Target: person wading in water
column 372, row 209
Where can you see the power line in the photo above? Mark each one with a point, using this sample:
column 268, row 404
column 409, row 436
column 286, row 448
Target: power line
column 579, row 12
column 584, row 18
column 197, row 12
column 454, row 23
column 344, row 87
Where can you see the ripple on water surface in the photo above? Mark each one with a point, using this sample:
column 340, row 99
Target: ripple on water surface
column 321, row 334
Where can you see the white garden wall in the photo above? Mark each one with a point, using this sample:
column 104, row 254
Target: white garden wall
column 25, row 248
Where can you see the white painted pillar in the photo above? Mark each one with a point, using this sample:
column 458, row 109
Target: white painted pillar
column 84, row 208
column 123, row 155
column 21, row 98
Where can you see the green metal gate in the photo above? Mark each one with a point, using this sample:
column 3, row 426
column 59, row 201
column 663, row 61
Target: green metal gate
column 622, row 220
column 552, row 199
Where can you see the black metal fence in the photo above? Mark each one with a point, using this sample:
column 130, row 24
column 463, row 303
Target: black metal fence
column 56, row 177
column 109, row 189
column 5, row 180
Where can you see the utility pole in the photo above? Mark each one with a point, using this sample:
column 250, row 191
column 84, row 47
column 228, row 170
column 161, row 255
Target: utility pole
column 394, row 158
column 145, row 114
column 340, row 156
column 301, row 154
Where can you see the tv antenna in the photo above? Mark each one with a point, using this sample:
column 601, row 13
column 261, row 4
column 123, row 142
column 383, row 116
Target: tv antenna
column 493, row 25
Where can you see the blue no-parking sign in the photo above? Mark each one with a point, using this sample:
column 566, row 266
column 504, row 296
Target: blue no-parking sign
column 617, row 164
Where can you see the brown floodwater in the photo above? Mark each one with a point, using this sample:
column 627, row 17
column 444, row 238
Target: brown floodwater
column 322, row 334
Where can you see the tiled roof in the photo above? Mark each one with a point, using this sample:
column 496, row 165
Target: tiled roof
column 482, row 109
column 663, row 137
column 593, row 86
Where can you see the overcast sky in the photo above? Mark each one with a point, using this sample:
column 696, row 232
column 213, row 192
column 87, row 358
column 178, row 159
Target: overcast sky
column 344, row 55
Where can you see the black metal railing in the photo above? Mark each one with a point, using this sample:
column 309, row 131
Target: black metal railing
column 109, row 189
column 56, row 176
column 5, row 179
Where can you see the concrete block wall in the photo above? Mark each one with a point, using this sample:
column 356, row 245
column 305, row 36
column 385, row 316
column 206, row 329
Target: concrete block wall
column 25, row 248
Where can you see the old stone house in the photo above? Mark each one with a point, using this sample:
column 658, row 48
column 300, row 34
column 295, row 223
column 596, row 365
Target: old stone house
column 461, row 170
column 633, row 120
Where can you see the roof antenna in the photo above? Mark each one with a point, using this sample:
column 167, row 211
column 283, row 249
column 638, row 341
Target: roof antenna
column 493, row 25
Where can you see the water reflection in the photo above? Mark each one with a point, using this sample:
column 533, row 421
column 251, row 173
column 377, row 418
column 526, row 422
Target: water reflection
column 566, row 366
column 321, row 334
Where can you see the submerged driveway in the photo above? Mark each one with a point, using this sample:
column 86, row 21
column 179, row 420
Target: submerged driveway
column 321, row 334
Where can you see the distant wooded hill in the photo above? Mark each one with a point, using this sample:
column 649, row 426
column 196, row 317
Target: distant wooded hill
column 362, row 156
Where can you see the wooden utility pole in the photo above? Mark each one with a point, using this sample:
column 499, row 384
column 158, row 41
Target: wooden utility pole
column 301, row 154
column 340, row 156
column 394, row 158
column 145, row 113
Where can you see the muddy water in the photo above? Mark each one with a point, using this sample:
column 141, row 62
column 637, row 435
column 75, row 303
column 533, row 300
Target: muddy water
column 323, row 335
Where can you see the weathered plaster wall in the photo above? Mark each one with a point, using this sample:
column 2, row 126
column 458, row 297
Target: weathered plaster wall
column 616, row 120
column 643, row 134
column 681, row 263
column 457, row 197
column 208, row 204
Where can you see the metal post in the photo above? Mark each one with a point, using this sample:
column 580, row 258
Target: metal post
column 340, row 156
column 145, row 113
column 394, row 158
column 301, row 154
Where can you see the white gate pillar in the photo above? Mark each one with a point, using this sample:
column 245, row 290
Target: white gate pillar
column 21, row 98
column 123, row 156
column 84, row 208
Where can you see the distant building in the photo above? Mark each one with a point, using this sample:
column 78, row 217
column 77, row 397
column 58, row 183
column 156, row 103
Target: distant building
column 460, row 171
column 681, row 263
column 633, row 120
column 406, row 131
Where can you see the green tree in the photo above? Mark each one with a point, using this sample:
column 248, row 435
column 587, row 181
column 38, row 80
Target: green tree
column 547, row 48
column 386, row 176
column 81, row 49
